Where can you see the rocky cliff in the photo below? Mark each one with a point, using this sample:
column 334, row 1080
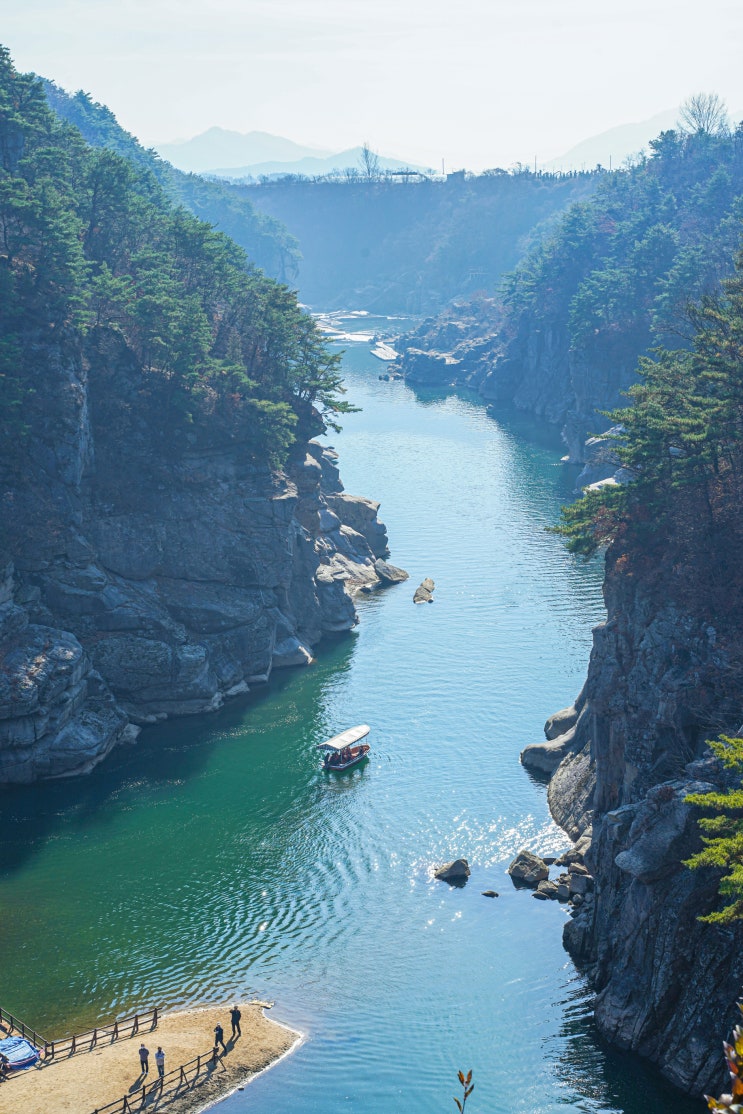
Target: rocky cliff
column 663, row 677
column 539, row 371
column 132, row 590
column 536, row 369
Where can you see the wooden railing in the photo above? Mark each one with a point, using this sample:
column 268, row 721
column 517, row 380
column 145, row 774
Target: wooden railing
column 171, row 1081
column 15, row 1026
column 110, row 1032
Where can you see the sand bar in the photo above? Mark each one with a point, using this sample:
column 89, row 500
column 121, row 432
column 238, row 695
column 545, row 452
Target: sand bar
column 87, row 1081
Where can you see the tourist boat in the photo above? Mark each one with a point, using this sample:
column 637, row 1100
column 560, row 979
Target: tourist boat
column 345, row 750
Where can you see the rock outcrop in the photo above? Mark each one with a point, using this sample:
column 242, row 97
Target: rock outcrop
column 533, row 368
column 527, row 869
column 662, row 679
column 457, row 872
column 424, row 592
column 163, row 591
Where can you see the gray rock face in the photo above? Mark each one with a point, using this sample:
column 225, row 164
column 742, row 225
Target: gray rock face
column 133, row 600
column 561, row 722
column 389, row 574
column 540, row 371
column 361, row 515
column 544, row 758
column 660, row 682
column 57, row 716
column 437, row 369
column 537, row 369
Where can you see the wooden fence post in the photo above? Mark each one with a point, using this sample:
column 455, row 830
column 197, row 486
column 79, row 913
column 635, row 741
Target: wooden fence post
column 116, row 1030
column 136, row 1024
column 73, row 1047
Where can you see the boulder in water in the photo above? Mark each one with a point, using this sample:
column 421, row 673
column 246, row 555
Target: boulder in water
column 424, row 592
column 527, row 869
column 456, row 871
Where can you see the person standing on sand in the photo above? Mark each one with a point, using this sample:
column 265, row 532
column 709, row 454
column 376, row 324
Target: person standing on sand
column 144, row 1059
column 219, row 1037
column 235, row 1016
column 160, row 1061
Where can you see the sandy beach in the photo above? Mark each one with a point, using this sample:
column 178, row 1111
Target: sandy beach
column 88, row 1081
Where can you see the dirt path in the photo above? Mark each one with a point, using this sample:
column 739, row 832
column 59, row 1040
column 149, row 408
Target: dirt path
column 86, row 1082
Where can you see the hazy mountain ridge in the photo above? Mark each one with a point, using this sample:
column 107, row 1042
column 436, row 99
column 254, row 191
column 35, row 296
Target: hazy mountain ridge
column 230, row 154
column 222, row 147
column 611, row 148
column 352, row 159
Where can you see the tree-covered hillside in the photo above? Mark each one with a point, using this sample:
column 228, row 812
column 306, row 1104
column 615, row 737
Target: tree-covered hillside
column 179, row 342
column 649, row 241
column 226, row 206
column 613, row 278
column 392, row 245
column 682, row 448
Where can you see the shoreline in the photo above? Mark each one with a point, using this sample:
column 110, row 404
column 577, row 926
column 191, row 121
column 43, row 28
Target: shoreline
column 104, row 1075
column 300, row 1039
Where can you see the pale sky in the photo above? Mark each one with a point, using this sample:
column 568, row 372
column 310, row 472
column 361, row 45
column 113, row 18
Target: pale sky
column 480, row 83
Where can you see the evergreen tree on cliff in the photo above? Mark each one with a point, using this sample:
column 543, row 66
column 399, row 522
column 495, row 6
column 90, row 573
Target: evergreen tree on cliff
column 186, row 344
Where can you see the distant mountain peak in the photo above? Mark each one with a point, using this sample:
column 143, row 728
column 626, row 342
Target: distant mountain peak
column 615, row 144
column 313, row 167
column 223, row 147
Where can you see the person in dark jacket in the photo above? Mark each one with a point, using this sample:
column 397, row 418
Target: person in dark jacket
column 235, row 1016
column 219, row 1037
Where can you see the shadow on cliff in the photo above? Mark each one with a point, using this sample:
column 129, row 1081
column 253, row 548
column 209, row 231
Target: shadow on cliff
column 614, row 1080
column 174, row 752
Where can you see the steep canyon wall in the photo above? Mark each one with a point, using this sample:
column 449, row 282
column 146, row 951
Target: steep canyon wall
column 129, row 594
column 662, row 679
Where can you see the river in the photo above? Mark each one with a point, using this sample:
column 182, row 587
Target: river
column 215, row 860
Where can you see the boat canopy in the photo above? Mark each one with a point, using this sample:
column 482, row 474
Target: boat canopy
column 346, row 738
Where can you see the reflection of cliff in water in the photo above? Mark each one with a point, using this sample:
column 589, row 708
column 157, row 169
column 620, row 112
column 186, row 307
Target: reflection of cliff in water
column 588, row 1068
column 170, row 754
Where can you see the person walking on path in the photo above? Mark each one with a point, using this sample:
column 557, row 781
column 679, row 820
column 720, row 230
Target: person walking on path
column 219, row 1037
column 235, row 1016
column 144, row 1059
column 160, row 1061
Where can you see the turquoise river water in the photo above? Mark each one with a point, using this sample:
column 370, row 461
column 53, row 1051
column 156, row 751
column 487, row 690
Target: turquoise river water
column 216, row 860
